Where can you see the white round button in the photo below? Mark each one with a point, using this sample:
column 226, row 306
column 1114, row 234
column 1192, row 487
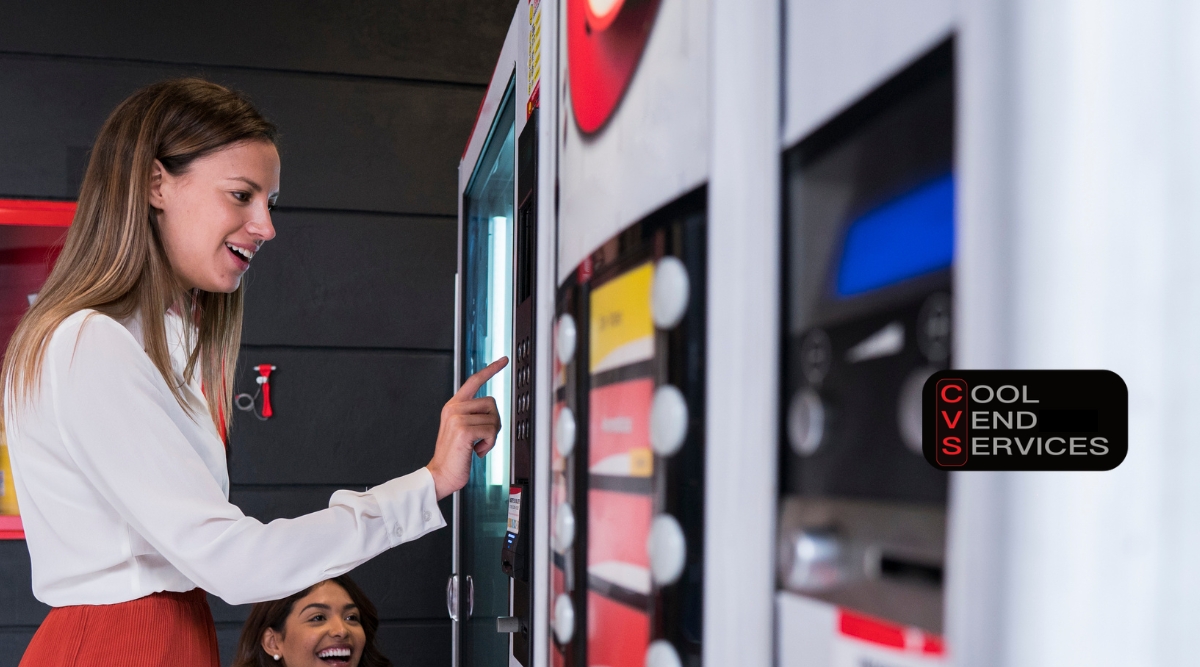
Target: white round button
column 564, row 527
column 669, row 293
column 564, row 619
column 565, row 341
column 668, row 420
column 662, row 654
column 908, row 409
column 806, row 422
column 425, row 515
column 564, row 432
column 667, row 550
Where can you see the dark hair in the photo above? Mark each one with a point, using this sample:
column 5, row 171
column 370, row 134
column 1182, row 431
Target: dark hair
column 274, row 615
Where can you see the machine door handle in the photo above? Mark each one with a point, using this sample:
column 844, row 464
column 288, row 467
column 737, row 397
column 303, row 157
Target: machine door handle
column 452, row 597
column 470, row 596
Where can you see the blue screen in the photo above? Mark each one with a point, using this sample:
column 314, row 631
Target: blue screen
column 908, row 236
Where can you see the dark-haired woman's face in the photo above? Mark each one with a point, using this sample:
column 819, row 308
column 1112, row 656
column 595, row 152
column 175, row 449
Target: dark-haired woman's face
column 216, row 214
column 322, row 630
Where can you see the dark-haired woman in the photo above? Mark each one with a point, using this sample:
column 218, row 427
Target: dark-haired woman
column 331, row 624
column 116, row 392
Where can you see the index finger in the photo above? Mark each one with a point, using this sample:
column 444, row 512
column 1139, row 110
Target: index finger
column 473, row 383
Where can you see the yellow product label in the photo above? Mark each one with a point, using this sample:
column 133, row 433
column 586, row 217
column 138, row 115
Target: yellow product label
column 533, row 70
column 8, row 491
column 622, row 328
column 641, row 462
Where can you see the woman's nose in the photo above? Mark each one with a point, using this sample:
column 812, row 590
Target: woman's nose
column 338, row 628
column 261, row 227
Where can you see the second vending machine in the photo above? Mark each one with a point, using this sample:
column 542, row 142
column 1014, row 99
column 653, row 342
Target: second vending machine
column 628, row 463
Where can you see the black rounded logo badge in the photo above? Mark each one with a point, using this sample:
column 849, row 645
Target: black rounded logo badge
column 1025, row 420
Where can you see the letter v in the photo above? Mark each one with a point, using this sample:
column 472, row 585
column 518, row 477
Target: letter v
column 1028, row 445
column 949, row 423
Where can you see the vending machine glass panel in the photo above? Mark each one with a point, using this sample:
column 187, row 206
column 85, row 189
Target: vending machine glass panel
column 487, row 298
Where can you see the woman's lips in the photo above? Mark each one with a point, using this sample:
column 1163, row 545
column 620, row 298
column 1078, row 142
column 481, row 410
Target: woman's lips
column 241, row 256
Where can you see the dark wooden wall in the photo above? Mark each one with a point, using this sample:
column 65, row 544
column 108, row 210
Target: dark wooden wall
column 353, row 300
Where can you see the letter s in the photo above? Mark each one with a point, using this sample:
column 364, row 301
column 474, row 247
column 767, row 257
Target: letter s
column 951, row 448
column 1099, row 449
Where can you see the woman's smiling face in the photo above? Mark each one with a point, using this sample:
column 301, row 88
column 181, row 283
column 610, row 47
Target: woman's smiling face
column 215, row 215
column 322, row 630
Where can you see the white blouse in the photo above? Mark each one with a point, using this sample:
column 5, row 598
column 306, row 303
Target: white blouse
column 123, row 493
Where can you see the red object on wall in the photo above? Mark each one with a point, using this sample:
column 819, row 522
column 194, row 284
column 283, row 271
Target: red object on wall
column 603, row 51
column 264, row 379
column 32, row 233
column 36, row 213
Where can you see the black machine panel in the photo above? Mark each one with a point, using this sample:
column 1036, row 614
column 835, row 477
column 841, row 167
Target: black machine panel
column 627, row 494
column 869, row 244
column 515, row 556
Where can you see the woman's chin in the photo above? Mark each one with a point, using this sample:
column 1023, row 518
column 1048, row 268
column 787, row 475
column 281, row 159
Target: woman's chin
column 226, row 285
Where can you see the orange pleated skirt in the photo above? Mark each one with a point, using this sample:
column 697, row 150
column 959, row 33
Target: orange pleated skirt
column 159, row 630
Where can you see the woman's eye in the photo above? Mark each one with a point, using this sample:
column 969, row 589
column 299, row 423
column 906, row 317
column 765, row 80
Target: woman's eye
column 318, row 617
column 271, row 205
column 242, row 196
column 353, row 618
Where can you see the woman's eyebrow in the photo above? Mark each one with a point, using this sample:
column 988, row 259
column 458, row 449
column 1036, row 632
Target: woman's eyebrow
column 318, row 605
column 253, row 186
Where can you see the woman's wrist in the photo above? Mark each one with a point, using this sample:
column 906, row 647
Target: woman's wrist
column 441, row 487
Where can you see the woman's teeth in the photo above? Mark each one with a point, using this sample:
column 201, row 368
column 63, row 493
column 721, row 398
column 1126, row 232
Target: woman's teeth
column 334, row 653
column 245, row 254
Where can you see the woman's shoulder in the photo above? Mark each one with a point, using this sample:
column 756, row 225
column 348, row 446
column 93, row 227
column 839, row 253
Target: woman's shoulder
column 87, row 329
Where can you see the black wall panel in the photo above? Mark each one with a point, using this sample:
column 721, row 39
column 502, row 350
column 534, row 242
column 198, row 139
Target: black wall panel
column 354, row 144
column 415, row 644
column 17, row 604
column 349, row 279
column 13, row 641
column 345, row 416
column 448, row 40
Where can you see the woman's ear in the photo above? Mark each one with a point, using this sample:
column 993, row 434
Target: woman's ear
column 272, row 643
column 157, row 174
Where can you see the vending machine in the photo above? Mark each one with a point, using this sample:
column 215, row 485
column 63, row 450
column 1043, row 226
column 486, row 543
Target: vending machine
column 628, row 460
column 504, row 303
column 868, row 238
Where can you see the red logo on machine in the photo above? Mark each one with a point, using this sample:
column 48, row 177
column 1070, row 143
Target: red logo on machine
column 951, row 418
column 605, row 40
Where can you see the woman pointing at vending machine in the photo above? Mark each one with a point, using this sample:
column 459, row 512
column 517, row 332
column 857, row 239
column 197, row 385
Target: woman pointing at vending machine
column 116, row 388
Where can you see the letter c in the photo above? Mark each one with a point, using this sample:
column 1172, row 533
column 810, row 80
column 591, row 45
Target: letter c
column 949, row 387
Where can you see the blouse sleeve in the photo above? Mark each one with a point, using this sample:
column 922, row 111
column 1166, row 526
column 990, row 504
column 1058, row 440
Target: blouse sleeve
column 119, row 423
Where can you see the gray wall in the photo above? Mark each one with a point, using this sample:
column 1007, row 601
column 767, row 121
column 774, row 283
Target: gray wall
column 353, row 300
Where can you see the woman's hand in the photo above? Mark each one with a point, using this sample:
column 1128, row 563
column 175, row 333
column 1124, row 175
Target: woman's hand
column 469, row 426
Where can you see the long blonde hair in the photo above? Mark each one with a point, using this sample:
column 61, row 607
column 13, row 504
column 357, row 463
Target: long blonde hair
column 113, row 259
